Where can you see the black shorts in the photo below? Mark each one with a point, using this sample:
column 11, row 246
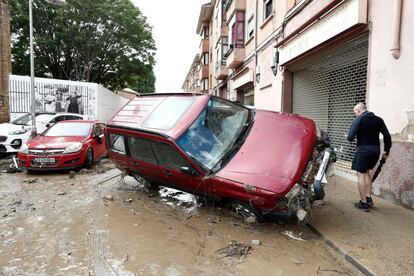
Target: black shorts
column 364, row 161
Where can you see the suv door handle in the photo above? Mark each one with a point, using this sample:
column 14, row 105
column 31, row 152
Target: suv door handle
column 167, row 172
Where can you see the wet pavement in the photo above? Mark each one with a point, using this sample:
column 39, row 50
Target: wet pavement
column 92, row 224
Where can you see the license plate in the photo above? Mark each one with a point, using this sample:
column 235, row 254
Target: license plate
column 44, row 160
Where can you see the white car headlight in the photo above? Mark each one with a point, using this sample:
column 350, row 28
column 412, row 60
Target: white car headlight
column 75, row 147
column 24, row 149
column 19, row 131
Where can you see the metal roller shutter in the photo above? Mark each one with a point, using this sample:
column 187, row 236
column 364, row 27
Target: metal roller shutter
column 327, row 89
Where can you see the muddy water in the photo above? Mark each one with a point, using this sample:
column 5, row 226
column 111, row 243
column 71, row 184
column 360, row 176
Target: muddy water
column 83, row 226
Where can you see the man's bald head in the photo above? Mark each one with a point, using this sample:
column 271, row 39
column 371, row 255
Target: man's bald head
column 359, row 109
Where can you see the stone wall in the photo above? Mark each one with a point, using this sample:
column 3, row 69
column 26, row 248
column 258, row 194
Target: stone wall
column 5, row 60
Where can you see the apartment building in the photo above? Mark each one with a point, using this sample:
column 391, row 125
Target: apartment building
column 318, row 58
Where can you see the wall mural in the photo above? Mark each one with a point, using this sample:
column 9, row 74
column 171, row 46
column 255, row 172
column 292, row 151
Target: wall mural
column 52, row 96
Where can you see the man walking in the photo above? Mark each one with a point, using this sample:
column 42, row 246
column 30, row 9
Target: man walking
column 367, row 127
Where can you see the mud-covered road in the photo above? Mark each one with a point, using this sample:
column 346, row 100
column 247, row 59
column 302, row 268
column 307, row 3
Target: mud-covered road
column 92, row 225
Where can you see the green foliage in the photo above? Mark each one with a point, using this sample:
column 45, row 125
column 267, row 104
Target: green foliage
column 103, row 41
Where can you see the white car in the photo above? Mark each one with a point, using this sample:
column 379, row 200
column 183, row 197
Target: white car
column 16, row 133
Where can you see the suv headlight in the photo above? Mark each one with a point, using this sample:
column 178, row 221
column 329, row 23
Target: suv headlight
column 19, row 131
column 24, row 149
column 75, row 147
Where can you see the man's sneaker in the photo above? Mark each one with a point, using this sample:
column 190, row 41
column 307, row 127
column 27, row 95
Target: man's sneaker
column 370, row 202
column 362, row 206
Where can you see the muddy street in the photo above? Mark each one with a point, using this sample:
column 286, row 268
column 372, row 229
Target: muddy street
column 92, row 224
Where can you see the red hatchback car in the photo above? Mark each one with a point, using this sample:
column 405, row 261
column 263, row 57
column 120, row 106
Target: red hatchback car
column 260, row 163
column 65, row 145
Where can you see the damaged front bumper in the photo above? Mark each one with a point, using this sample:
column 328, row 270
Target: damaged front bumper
column 300, row 198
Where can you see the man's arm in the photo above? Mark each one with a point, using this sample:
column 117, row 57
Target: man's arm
column 353, row 130
column 387, row 137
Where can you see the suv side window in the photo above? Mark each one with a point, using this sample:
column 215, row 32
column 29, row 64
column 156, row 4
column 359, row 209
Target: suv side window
column 71, row 117
column 167, row 156
column 140, row 149
column 116, row 143
column 57, row 119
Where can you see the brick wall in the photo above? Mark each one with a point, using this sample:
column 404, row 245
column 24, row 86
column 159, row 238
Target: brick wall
column 5, row 60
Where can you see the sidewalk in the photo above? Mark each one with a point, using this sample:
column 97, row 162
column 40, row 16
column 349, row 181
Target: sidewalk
column 381, row 240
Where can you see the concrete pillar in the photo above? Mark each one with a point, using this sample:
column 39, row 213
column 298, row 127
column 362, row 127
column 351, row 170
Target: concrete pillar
column 5, row 60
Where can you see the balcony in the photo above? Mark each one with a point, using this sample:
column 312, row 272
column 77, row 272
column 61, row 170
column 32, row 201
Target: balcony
column 204, row 46
column 221, row 70
column 203, row 73
column 234, row 5
column 235, row 56
column 224, row 31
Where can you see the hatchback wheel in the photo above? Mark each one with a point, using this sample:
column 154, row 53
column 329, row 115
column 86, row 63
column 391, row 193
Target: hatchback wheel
column 89, row 158
column 248, row 212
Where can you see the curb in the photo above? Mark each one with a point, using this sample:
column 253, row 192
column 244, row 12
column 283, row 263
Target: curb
column 360, row 267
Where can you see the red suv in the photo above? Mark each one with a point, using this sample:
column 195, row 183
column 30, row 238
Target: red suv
column 260, row 163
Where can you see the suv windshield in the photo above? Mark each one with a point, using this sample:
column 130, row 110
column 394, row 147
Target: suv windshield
column 27, row 119
column 215, row 132
column 68, row 129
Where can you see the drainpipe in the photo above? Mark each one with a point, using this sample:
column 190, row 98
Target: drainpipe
column 396, row 29
column 256, row 33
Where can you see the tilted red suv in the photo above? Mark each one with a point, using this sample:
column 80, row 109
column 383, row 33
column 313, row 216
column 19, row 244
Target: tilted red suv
column 261, row 163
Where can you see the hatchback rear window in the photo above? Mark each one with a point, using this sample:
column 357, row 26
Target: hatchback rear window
column 167, row 113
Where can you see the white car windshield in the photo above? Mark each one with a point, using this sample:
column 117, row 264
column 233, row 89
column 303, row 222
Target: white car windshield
column 214, row 133
column 68, row 129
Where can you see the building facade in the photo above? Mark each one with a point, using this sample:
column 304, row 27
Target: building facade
column 5, row 60
column 318, row 58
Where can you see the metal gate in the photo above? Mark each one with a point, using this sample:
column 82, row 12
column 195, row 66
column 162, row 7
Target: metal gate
column 327, row 89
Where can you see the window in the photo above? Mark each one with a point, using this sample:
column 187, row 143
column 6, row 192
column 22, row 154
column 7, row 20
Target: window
column 68, row 129
column 212, row 135
column 248, row 96
column 140, row 149
column 250, row 28
column 167, row 113
column 116, row 143
column 205, row 58
column 204, row 83
column 236, row 27
column 167, row 156
column 267, row 9
column 218, row 15
column 204, row 33
column 97, row 130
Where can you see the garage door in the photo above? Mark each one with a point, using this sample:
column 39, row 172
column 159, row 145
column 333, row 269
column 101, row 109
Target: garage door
column 327, row 89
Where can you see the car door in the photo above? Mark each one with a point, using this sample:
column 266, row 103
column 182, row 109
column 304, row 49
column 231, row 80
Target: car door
column 143, row 161
column 97, row 141
column 172, row 165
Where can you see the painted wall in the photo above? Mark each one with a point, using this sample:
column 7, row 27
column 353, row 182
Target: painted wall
column 107, row 103
column 391, row 96
column 391, row 80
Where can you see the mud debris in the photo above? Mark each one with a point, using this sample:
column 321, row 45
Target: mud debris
column 71, row 174
column 108, row 197
column 235, row 250
column 31, row 180
column 256, row 242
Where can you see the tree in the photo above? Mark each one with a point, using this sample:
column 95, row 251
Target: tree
column 103, row 41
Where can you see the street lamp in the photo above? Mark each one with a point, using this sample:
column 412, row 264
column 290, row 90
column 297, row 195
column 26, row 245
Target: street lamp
column 32, row 81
